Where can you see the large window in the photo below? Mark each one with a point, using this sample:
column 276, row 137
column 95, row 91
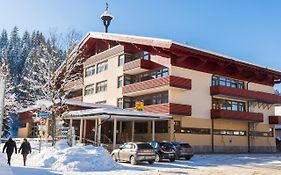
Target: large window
column 161, row 127
column 119, row 81
column 229, row 132
column 185, row 130
column 152, row 75
column 101, row 86
column 262, row 134
column 90, row 89
column 141, row 127
column 90, row 71
column 102, row 66
column 223, row 81
column 149, row 99
column 229, row 105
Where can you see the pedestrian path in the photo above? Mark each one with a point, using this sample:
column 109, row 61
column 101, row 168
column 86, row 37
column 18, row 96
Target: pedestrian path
column 4, row 168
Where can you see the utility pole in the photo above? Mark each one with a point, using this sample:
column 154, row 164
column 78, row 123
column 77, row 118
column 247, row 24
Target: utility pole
column 2, row 100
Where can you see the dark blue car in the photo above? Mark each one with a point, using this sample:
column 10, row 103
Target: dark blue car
column 164, row 150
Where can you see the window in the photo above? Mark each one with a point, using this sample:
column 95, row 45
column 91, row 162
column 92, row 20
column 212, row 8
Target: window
column 228, row 105
column 184, row 130
column 90, row 89
column 223, row 81
column 141, row 127
column 119, row 81
column 101, row 102
column 120, row 102
column 148, row 76
column 229, row 132
column 102, row 66
column 161, row 127
column 101, row 86
column 146, row 55
column 262, row 134
column 121, row 60
column 90, row 71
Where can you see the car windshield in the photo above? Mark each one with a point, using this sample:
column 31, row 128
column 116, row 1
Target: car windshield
column 144, row 146
column 166, row 145
column 185, row 145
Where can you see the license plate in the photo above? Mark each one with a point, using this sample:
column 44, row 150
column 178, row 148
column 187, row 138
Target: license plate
column 171, row 154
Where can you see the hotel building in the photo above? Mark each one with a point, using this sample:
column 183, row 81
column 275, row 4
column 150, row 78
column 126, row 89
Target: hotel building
column 217, row 103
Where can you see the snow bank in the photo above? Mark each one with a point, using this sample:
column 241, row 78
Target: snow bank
column 65, row 158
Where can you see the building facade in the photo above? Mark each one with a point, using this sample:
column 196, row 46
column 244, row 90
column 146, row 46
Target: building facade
column 218, row 104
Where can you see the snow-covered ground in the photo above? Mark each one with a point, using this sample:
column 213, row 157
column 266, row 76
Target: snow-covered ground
column 96, row 161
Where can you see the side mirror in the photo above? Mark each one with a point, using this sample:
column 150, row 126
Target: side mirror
column 121, row 147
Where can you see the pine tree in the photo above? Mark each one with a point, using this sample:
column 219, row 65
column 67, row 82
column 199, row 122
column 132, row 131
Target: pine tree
column 10, row 98
column 3, row 44
column 14, row 55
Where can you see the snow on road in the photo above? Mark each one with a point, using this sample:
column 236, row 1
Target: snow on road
column 82, row 161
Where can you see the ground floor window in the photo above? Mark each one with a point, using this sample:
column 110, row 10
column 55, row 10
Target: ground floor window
column 141, row 127
column 229, row 132
column 161, row 127
column 262, row 134
column 184, row 130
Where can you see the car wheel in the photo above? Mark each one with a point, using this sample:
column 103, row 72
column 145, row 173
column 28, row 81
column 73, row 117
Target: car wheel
column 157, row 158
column 133, row 160
column 172, row 160
column 114, row 158
column 150, row 162
column 187, row 158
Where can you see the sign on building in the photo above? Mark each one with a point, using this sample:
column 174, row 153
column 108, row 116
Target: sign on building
column 139, row 105
column 42, row 114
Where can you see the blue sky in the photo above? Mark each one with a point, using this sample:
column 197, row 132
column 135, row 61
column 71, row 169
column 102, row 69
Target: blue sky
column 249, row 30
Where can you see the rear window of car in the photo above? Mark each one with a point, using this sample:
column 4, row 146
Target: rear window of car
column 144, row 146
column 186, row 145
column 166, row 145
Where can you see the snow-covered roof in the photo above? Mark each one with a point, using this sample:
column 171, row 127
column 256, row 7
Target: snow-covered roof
column 120, row 114
column 67, row 102
column 164, row 43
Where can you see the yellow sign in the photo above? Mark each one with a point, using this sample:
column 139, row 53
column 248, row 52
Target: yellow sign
column 139, row 105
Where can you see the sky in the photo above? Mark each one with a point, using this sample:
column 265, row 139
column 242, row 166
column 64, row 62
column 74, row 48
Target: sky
column 248, row 30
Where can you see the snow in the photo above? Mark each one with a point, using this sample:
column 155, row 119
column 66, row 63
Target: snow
column 89, row 160
column 64, row 158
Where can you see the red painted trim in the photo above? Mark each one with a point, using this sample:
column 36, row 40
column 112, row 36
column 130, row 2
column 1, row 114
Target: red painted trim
column 172, row 81
column 236, row 115
column 141, row 64
column 244, row 93
column 274, row 119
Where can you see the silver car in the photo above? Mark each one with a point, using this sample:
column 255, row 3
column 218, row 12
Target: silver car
column 134, row 153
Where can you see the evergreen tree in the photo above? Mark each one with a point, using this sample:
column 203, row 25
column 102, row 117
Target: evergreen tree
column 10, row 98
column 3, row 44
column 14, row 54
column 25, row 49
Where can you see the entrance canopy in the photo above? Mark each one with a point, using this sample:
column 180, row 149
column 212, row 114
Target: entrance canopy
column 115, row 113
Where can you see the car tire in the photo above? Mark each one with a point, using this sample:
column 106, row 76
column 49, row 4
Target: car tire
column 157, row 158
column 114, row 157
column 187, row 158
column 172, row 160
column 151, row 162
column 133, row 160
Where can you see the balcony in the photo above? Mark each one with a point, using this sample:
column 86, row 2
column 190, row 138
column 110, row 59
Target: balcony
column 74, row 85
column 274, row 119
column 245, row 94
column 156, row 85
column 236, row 115
column 169, row 108
column 139, row 66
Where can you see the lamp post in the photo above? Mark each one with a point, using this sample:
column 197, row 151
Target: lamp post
column 106, row 18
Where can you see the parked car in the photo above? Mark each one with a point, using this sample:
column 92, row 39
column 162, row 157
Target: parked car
column 183, row 150
column 164, row 150
column 134, row 153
